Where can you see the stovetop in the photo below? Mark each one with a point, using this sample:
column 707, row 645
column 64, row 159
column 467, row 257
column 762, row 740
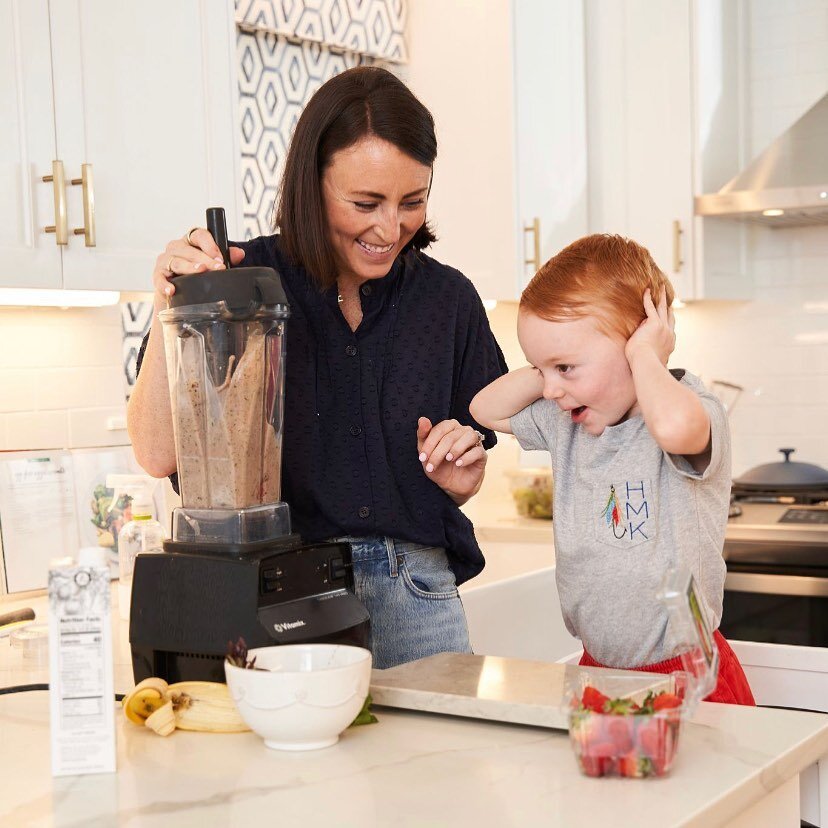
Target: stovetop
column 782, row 534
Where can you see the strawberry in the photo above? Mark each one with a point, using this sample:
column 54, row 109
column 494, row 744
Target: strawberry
column 664, row 701
column 592, row 766
column 597, row 758
column 651, row 738
column 593, row 699
column 601, row 750
column 619, row 731
column 630, row 765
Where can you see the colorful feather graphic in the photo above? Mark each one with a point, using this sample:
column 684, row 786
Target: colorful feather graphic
column 611, row 511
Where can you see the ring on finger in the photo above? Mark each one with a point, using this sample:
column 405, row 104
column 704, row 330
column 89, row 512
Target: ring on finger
column 190, row 233
column 169, row 264
column 480, row 437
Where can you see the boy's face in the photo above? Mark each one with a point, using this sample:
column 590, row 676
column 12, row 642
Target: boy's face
column 584, row 371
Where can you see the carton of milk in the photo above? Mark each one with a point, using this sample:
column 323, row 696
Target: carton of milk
column 81, row 694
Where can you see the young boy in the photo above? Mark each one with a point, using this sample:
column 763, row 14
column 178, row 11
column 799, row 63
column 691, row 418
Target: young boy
column 640, row 454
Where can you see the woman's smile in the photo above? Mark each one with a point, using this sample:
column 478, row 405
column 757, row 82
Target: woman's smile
column 375, row 201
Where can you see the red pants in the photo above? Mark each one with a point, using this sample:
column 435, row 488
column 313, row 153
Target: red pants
column 731, row 688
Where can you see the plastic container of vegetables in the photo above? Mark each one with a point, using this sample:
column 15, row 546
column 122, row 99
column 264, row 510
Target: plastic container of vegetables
column 531, row 490
column 618, row 728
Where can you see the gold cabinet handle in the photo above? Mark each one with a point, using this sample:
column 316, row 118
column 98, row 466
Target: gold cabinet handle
column 534, row 228
column 61, row 226
column 87, row 183
column 677, row 260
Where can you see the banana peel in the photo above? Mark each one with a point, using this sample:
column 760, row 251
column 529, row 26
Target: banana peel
column 186, row 705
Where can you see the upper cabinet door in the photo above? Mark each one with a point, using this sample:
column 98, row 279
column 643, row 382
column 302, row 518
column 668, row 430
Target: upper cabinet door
column 550, row 129
column 640, row 117
column 30, row 257
column 660, row 146
column 146, row 96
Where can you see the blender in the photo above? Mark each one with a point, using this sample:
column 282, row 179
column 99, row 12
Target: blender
column 233, row 566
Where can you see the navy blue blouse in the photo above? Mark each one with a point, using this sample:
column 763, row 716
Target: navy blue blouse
column 424, row 348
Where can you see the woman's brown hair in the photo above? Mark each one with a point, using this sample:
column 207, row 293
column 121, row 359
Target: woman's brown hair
column 359, row 102
column 602, row 275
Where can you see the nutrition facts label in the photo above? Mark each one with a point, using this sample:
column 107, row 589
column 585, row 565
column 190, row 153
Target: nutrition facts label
column 81, row 671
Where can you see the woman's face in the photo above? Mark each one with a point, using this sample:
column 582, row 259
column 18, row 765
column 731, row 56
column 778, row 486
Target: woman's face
column 375, row 201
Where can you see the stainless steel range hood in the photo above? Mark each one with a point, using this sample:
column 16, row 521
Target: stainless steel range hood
column 785, row 186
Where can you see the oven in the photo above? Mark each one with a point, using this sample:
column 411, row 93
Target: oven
column 776, row 588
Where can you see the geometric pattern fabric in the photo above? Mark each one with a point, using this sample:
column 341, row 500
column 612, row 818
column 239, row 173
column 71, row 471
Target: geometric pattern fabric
column 286, row 50
column 136, row 318
column 374, row 28
column 276, row 79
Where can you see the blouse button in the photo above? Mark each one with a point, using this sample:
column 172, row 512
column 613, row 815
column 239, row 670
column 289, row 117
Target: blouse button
column 350, row 350
column 364, row 511
column 356, row 430
column 365, row 290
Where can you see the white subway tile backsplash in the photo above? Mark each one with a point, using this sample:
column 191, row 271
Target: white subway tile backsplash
column 88, row 427
column 811, row 24
column 88, row 346
column 61, row 377
column 80, row 387
column 36, row 430
column 812, row 57
column 17, row 391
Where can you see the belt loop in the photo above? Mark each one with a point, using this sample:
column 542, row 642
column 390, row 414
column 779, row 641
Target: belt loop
column 392, row 557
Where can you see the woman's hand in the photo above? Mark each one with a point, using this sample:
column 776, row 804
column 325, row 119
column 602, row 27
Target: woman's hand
column 656, row 331
column 196, row 252
column 452, row 456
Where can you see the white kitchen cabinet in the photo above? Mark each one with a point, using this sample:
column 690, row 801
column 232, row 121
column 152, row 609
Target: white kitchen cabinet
column 550, row 129
column 663, row 119
column 505, row 83
column 518, row 617
column 27, row 146
column 142, row 94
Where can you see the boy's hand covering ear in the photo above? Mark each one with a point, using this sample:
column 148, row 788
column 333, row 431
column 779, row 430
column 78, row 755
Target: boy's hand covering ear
column 656, row 331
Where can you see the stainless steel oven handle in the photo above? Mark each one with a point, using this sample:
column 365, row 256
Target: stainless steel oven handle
column 801, row 585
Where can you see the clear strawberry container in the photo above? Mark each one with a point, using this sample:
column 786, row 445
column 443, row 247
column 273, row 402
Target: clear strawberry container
column 617, row 727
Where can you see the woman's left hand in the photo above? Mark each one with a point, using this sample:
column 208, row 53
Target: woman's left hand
column 452, row 455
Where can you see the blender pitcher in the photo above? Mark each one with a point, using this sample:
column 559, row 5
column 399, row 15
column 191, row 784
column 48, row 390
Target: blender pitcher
column 224, row 343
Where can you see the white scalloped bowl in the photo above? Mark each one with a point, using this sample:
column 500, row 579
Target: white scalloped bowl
column 305, row 696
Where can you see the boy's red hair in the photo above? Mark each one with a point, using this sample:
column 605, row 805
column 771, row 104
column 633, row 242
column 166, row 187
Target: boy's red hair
column 599, row 275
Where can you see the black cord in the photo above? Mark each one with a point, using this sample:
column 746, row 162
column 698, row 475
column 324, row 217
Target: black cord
column 25, row 688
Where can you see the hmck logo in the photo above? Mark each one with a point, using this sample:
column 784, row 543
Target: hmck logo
column 626, row 516
column 288, row 625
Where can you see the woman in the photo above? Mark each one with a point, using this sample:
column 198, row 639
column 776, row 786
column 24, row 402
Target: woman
column 385, row 349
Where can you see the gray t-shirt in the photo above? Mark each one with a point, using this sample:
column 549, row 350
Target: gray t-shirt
column 624, row 513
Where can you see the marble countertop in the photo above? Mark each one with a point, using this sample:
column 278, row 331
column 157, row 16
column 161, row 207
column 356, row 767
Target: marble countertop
column 410, row 769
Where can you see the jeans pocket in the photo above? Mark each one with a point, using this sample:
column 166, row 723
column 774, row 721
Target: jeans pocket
column 426, row 572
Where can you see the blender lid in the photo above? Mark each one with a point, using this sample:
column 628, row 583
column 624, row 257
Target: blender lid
column 242, row 288
column 785, row 476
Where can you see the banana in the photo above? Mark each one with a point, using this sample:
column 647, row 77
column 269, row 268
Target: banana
column 145, row 699
column 206, row 706
column 188, row 705
column 162, row 721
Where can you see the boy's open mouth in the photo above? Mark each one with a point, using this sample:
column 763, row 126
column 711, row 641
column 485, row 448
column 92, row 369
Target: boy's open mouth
column 578, row 413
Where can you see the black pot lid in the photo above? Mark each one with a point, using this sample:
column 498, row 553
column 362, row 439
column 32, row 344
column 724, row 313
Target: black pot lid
column 786, row 475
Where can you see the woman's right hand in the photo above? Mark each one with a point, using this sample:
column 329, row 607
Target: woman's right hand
column 196, row 254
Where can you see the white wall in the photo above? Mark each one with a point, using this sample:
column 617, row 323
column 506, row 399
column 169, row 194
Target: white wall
column 61, row 377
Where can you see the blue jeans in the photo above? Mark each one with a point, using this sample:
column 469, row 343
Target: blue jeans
column 411, row 595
